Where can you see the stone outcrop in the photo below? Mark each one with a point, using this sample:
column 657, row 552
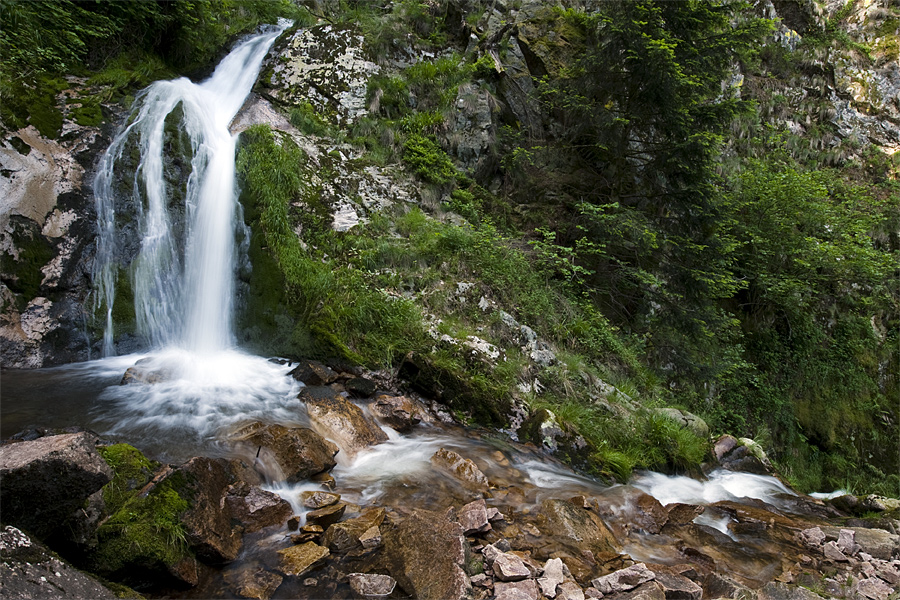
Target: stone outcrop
column 48, row 479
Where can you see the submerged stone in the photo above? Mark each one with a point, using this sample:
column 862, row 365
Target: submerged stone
column 463, row 469
column 372, row 585
column 253, row 582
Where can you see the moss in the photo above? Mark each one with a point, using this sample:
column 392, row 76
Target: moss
column 35, row 104
column 23, row 274
column 132, row 470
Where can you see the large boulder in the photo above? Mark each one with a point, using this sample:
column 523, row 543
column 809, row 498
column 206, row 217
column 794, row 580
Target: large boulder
column 29, row 570
column 209, row 528
column 338, row 419
column 256, row 508
column 45, row 481
column 298, row 452
column 577, row 529
column 425, row 553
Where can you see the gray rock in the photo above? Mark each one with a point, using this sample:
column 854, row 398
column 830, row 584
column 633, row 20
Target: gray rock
column 876, row 542
column 251, row 581
column 569, row 590
column 686, row 420
column 313, row 373
column 782, row 591
column 515, row 590
column 509, row 567
column 372, row 585
column 553, row 576
column 646, row 591
column 29, row 570
column 677, row 587
column 256, row 508
column 624, row 579
column 873, row 588
column 812, row 537
column 846, row 542
column 46, row 480
column 473, row 518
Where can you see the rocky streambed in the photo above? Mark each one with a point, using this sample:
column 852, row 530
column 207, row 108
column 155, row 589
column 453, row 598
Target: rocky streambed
column 369, row 492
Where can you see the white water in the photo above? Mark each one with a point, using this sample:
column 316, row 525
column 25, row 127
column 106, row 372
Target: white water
column 182, row 281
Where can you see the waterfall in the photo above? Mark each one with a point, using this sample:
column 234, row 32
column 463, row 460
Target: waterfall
column 180, row 243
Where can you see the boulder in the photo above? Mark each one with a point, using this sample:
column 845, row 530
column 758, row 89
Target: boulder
column 256, row 508
column 678, row 587
column 298, row 452
column 299, row 560
column 398, row 412
column 646, row 591
column 46, row 480
column 28, row 569
column 686, row 420
column 251, row 581
column 372, row 585
column 347, row 535
column 338, row 419
column 876, row 542
column 463, row 469
column 312, row 372
column 576, row 529
column 425, row 554
column 678, row 513
column 209, row 530
column 569, row 590
column 624, row 579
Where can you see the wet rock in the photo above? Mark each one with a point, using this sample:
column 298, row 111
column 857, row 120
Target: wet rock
column 256, row 508
column 312, row 372
column 145, row 373
column 649, row 514
column 682, row 514
column 624, row 579
column 463, row 469
column 877, row 503
column 327, row 515
column 474, row 518
column 516, row 590
column 317, row 499
column 398, row 412
column 686, row 420
column 252, row 581
column 372, row 585
column 293, row 523
column 578, row 529
column 46, row 480
column 209, row 530
column 346, row 535
column 299, row 560
column 425, row 553
column 509, row 567
column 783, row 591
column 371, row 538
column 334, row 416
column 28, row 569
column 299, row 452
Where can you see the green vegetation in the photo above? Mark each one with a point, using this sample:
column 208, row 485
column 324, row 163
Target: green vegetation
column 120, row 46
column 143, row 531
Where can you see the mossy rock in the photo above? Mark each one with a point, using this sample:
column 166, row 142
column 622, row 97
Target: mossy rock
column 23, row 275
column 455, row 388
column 543, row 429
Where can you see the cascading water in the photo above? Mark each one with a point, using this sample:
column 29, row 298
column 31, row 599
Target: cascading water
column 182, row 283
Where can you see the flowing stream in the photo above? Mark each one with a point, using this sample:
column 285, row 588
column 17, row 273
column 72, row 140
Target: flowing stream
column 185, row 245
